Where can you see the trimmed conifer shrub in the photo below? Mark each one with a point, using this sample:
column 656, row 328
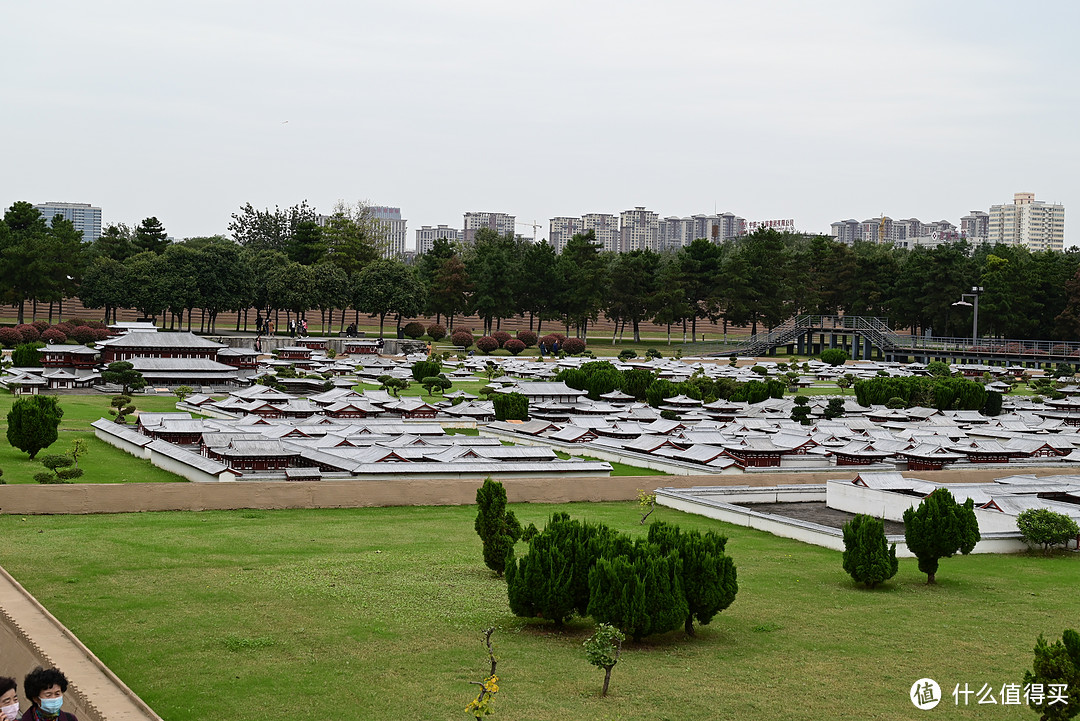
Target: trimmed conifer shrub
column 497, row 527
column 868, row 558
column 939, row 528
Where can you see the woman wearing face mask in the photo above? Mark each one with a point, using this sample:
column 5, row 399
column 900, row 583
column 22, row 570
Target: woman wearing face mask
column 9, row 699
column 45, row 687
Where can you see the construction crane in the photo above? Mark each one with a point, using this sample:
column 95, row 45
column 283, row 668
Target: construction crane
column 881, row 229
column 534, row 225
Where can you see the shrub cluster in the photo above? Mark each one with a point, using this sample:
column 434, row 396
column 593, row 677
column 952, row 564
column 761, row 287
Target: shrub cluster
column 573, row 346
column 514, row 345
column 642, row 586
column 936, row 392
column 413, row 330
column 501, row 336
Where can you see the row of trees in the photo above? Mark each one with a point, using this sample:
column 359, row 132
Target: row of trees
column 296, row 261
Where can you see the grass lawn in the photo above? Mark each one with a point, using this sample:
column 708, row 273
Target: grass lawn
column 378, row 614
column 104, row 463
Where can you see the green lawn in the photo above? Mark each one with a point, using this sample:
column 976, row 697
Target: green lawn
column 378, row 614
column 104, row 463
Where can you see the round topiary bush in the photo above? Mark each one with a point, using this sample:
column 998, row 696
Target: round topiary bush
column 413, row 330
column 573, row 346
column 101, row 333
column 64, row 328
column 10, row 337
column 40, row 325
column 501, row 336
column 83, row 334
column 835, row 356
column 463, row 338
column 52, row 335
column 28, row 333
column 487, row 344
column 436, row 332
column 514, row 345
column 527, row 337
column 95, row 324
column 75, row 322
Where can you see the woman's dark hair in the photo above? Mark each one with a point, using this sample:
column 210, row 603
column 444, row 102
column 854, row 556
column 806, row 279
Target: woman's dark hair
column 6, row 684
column 43, row 678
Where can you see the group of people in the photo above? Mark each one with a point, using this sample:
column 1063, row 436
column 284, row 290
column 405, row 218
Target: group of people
column 44, row 688
column 297, row 326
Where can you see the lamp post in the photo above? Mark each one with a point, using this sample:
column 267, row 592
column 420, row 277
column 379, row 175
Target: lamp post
column 974, row 294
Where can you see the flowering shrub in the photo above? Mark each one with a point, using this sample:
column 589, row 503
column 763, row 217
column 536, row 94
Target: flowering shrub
column 514, row 345
column 10, row 337
column 501, row 336
column 527, row 337
column 436, row 332
column 83, row 334
column 487, row 344
column 462, row 338
column 28, row 333
column 573, row 346
column 52, row 335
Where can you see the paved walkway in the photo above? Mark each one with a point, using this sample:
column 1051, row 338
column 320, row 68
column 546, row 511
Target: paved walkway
column 97, row 694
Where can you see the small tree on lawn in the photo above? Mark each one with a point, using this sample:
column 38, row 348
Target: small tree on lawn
column 123, row 374
column 122, row 407
column 867, row 556
column 1056, row 669
column 1046, row 528
column 497, row 527
column 62, row 467
column 939, row 528
column 182, row 392
column 33, row 422
column 436, row 384
column 646, row 504
column 393, row 385
column 482, row 705
column 79, row 448
column 510, row 406
column 834, row 356
column 602, row 650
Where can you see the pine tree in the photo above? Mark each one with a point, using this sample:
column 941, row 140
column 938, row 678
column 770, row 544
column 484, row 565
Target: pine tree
column 867, row 557
column 33, row 423
column 938, row 528
column 498, row 528
column 1056, row 664
column 709, row 578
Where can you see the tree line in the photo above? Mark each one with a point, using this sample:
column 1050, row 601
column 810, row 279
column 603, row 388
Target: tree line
column 297, row 262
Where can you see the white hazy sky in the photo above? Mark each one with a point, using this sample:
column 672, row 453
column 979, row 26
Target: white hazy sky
column 768, row 109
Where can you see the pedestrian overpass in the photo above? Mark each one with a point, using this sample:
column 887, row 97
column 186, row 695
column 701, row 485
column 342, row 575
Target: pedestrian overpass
column 869, row 338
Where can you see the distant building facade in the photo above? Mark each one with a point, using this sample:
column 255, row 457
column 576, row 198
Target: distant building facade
column 501, row 223
column 562, row 229
column 975, row 226
column 1034, row 224
column 605, row 226
column 426, row 237
column 639, row 229
column 393, row 228
column 85, row 217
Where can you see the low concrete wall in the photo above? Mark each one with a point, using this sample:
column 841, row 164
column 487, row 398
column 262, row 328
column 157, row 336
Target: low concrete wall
column 891, row 506
column 30, row 636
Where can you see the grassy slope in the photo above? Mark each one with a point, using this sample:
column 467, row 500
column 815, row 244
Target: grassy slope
column 104, row 463
column 378, row 613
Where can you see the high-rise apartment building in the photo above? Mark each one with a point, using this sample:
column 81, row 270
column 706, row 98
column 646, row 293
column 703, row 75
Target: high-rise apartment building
column 639, row 229
column 85, row 217
column 562, row 229
column 975, row 226
column 392, row 227
column 605, row 227
column 846, row 231
column 501, row 223
column 1035, row 224
column 426, row 237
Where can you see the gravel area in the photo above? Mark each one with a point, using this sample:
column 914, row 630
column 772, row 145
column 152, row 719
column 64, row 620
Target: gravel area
column 817, row 512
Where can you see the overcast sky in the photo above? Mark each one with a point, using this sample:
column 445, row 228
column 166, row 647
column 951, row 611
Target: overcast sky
column 812, row 111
